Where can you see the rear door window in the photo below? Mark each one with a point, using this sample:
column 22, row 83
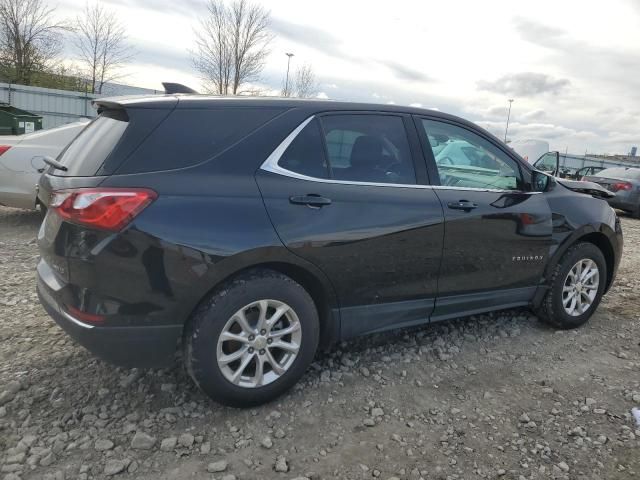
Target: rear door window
column 351, row 147
column 368, row 148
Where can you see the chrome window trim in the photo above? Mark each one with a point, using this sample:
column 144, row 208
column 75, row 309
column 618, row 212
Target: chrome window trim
column 271, row 165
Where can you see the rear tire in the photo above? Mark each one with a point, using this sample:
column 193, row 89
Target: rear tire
column 236, row 321
column 560, row 307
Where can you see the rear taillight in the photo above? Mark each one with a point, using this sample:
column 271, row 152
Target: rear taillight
column 84, row 316
column 104, row 208
column 4, row 148
column 616, row 187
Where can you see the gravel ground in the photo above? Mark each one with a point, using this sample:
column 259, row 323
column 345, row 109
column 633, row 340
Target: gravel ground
column 491, row 396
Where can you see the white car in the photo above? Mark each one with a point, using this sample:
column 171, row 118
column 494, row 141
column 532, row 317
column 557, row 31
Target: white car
column 21, row 161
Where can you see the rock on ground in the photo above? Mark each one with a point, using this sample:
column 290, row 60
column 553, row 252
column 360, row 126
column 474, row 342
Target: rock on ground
column 490, row 396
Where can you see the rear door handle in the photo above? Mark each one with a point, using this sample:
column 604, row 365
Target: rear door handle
column 465, row 205
column 311, row 200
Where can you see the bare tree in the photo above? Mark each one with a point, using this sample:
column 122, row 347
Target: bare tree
column 30, row 38
column 101, row 40
column 232, row 45
column 305, row 84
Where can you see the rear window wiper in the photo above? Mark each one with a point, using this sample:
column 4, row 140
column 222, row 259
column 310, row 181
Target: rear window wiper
column 54, row 163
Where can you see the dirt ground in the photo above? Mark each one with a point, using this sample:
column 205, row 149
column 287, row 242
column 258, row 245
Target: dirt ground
column 491, row 396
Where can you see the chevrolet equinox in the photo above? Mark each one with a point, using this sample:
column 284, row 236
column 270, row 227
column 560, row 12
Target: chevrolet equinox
column 251, row 231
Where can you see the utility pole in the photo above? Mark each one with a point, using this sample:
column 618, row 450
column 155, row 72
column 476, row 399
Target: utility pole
column 286, row 83
column 508, row 117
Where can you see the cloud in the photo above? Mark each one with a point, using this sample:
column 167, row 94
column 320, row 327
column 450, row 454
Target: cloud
column 405, row 73
column 322, row 95
column 190, row 8
column 606, row 65
column 312, row 37
column 153, row 54
column 534, row 115
column 557, row 135
column 538, row 33
column 496, row 111
column 525, row 84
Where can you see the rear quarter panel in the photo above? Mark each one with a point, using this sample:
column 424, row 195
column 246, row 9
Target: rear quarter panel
column 202, row 229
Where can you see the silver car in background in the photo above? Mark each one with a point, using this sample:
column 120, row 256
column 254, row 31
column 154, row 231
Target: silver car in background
column 625, row 183
column 21, row 161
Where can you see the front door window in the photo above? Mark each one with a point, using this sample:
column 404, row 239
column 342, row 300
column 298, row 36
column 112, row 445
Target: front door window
column 465, row 159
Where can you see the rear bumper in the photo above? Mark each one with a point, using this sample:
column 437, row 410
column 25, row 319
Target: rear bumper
column 139, row 346
column 625, row 202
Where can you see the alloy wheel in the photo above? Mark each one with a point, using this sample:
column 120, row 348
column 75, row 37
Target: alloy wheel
column 580, row 287
column 259, row 343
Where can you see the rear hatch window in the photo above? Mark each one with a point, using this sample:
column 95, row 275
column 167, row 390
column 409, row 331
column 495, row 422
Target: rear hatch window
column 86, row 154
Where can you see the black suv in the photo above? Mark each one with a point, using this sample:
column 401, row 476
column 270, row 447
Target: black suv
column 256, row 230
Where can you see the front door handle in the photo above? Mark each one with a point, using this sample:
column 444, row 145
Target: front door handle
column 465, row 205
column 311, row 200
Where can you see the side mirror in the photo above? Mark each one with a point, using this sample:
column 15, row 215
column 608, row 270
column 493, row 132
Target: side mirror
column 540, row 181
column 557, row 163
column 549, row 163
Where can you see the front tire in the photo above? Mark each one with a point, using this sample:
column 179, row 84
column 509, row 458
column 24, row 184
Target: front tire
column 252, row 339
column 577, row 285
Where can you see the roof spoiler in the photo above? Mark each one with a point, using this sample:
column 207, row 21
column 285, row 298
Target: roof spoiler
column 170, row 88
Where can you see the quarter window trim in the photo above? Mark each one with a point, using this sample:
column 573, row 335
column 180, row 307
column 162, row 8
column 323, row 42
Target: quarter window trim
column 271, row 165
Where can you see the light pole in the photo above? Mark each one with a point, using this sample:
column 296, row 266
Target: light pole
column 286, row 82
column 508, row 117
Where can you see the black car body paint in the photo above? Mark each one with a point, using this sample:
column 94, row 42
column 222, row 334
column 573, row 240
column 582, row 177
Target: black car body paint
column 377, row 257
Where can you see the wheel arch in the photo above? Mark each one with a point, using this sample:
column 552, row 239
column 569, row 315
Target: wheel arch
column 308, row 276
column 600, row 237
column 601, row 241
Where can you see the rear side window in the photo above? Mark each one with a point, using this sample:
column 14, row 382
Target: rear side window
column 191, row 136
column 84, row 156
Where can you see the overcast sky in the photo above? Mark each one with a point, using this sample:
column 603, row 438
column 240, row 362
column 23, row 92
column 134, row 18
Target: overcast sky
column 573, row 67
